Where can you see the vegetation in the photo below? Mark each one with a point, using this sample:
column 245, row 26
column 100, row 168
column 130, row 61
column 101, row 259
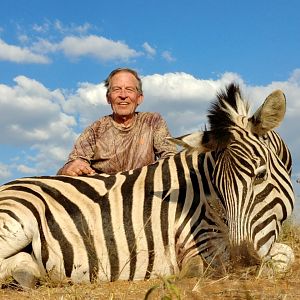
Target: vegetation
column 243, row 284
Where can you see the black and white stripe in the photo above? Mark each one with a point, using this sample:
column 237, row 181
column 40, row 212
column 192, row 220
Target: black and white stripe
column 224, row 197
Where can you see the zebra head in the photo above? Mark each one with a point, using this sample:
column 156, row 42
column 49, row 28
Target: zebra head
column 251, row 175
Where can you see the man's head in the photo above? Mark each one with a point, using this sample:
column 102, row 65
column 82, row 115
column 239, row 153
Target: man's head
column 124, row 92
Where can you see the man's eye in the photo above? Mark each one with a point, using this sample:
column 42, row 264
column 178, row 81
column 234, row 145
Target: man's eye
column 130, row 90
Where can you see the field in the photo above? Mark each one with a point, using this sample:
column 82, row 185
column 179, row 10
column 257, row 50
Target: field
column 243, row 284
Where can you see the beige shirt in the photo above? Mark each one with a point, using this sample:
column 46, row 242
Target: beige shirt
column 111, row 148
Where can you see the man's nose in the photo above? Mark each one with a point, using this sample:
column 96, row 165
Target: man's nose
column 123, row 92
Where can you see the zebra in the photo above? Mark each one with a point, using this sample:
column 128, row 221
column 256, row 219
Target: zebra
column 225, row 196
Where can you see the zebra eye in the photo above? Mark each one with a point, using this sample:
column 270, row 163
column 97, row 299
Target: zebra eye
column 260, row 174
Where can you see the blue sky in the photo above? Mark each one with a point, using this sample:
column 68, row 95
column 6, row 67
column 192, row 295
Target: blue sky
column 54, row 56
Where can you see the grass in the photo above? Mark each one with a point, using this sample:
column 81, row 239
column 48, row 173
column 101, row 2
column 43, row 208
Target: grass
column 244, row 284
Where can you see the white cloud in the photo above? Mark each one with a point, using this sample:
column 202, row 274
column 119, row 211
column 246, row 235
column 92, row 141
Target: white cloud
column 149, row 50
column 181, row 86
column 32, row 118
column 98, row 47
column 20, row 55
column 23, row 38
column 90, row 100
column 295, row 77
column 182, row 98
column 167, row 55
column 44, row 122
column 26, row 170
column 82, row 29
column 67, row 29
column 4, row 172
column 76, row 43
column 43, row 28
column 60, row 27
column 44, row 46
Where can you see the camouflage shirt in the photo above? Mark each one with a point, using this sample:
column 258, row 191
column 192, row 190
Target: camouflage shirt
column 110, row 147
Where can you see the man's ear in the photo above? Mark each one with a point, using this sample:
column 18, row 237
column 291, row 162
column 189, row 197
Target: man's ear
column 140, row 99
column 108, row 98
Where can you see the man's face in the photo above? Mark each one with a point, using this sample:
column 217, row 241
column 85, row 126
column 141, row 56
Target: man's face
column 123, row 95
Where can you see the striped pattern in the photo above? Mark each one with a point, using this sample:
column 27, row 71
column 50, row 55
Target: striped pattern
column 110, row 227
column 225, row 197
column 277, row 145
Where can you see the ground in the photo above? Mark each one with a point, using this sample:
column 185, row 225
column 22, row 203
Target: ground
column 240, row 285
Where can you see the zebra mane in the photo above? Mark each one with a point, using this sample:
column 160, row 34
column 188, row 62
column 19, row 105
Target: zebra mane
column 224, row 113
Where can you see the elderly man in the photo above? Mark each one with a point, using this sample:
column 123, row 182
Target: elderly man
column 124, row 140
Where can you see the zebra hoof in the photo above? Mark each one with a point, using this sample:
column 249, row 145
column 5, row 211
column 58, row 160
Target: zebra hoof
column 25, row 279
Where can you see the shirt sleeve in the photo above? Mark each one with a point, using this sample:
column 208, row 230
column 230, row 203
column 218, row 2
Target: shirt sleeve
column 162, row 146
column 84, row 146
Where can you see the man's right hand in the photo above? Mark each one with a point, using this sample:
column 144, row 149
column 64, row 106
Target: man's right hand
column 76, row 167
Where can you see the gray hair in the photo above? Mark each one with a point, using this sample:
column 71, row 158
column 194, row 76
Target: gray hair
column 114, row 72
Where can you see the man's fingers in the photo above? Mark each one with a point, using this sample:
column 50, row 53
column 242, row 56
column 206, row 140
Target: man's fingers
column 77, row 168
column 71, row 173
column 88, row 170
column 84, row 170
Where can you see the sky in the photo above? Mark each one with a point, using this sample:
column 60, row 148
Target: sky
column 54, row 56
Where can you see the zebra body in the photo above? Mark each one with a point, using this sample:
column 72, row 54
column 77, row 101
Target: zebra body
column 86, row 227
column 225, row 197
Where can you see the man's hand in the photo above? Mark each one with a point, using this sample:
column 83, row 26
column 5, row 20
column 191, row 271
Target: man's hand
column 76, row 167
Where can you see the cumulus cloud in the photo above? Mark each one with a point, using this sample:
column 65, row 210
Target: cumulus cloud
column 74, row 41
column 182, row 98
column 32, row 117
column 90, row 100
column 46, row 122
column 73, row 47
column 28, row 110
column 98, row 47
column 288, row 129
column 20, row 55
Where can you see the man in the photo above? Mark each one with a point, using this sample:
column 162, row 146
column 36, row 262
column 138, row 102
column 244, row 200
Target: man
column 124, row 140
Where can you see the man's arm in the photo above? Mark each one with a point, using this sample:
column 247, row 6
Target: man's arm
column 162, row 146
column 79, row 159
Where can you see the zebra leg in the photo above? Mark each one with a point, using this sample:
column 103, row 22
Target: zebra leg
column 13, row 260
column 22, row 268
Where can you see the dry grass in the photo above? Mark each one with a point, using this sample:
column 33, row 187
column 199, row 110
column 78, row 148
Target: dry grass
column 240, row 285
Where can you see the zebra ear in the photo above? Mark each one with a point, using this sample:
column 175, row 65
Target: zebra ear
column 270, row 114
column 190, row 141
